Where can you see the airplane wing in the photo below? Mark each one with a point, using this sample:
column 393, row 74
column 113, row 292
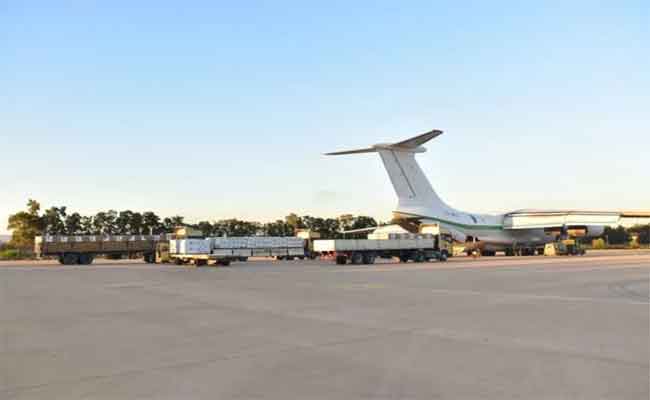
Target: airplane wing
column 537, row 219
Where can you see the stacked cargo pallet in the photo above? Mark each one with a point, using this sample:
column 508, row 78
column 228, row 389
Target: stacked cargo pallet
column 240, row 247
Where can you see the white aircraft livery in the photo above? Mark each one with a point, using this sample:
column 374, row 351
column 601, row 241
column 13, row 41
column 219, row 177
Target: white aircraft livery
column 519, row 231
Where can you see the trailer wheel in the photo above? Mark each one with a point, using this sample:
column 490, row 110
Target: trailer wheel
column 341, row 260
column 86, row 259
column 70, row 258
column 60, row 258
column 418, row 257
column 404, row 258
column 357, row 258
column 369, row 258
column 225, row 263
column 178, row 261
column 149, row 258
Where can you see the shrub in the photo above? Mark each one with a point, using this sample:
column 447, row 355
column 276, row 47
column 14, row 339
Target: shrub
column 598, row 244
column 9, row 254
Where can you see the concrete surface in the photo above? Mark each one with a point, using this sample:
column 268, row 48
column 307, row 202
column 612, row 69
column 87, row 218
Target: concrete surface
column 495, row 328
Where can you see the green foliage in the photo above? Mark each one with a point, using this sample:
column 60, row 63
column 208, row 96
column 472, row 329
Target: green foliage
column 56, row 220
column 643, row 231
column 616, row 236
column 25, row 225
column 9, row 254
column 598, row 244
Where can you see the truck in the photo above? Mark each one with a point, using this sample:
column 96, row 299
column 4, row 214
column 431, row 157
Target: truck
column 416, row 248
column 224, row 250
column 82, row 249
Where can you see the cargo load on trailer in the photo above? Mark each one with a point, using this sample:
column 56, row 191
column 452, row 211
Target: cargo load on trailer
column 224, row 250
column 405, row 247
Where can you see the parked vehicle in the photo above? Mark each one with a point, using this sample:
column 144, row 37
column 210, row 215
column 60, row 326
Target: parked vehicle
column 365, row 251
column 82, row 249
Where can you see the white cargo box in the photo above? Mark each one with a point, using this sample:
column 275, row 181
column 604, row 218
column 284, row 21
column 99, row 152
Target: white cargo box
column 191, row 246
column 335, row 245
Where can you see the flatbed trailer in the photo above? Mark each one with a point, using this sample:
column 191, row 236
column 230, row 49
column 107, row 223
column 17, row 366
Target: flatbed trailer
column 223, row 251
column 82, row 249
column 201, row 259
column 365, row 251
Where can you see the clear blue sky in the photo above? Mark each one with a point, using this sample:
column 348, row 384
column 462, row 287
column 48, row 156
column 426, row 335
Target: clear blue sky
column 214, row 110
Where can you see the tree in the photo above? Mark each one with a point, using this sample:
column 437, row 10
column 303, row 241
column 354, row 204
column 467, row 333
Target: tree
column 86, row 225
column 205, row 227
column 616, row 235
column 136, row 223
column 54, row 220
column 73, row 224
column 362, row 221
column 151, row 223
column 123, row 222
column 104, row 222
column 278, row 228
column 294, row 221
column 25, row 225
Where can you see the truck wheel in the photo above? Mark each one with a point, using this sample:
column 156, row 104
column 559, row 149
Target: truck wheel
column 150, row 258
column 178, row 261
column 225, row 263
column 403, row 258
column 341, row 260
column 70, row 258
column 86, row 259
column 357, row 258
column 443, row 256
column 369, row 258
column 60, row 258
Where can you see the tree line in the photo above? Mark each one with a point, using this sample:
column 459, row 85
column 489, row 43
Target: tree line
column 25, row 225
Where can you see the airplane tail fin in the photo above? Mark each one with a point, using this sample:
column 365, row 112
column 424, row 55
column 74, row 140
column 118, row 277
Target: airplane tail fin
column 414, row 192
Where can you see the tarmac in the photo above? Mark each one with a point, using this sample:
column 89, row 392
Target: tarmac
column 492, row 328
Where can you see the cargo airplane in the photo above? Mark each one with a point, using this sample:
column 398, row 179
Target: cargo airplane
column 522, row 232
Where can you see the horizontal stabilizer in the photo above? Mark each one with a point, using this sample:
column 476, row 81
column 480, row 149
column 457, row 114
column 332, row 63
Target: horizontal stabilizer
column 419, row 140
column 405, row 145
column 340, row 153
